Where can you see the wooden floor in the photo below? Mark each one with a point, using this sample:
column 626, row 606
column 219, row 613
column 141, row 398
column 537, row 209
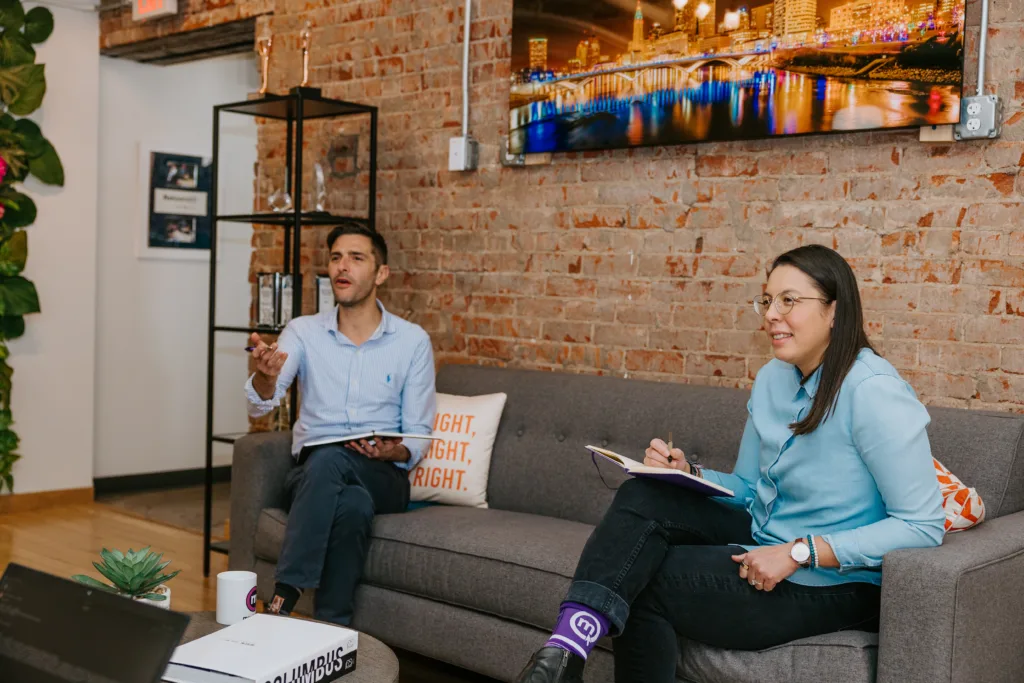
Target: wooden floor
column 66, row 540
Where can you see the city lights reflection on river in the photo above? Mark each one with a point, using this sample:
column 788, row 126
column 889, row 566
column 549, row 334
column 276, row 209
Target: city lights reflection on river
column 718, row 101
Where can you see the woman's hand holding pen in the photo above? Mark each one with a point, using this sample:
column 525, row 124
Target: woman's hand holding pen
column 660, row 455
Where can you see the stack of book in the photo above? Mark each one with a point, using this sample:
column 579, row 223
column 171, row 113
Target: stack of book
column 267, row 649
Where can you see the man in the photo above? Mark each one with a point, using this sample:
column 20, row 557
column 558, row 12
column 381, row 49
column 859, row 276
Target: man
column 360, row 369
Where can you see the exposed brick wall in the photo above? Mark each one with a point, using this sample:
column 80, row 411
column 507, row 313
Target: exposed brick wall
column 642, row 263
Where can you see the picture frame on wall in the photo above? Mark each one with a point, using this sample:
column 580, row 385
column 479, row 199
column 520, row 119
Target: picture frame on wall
column 612, row 74
column 174, row 217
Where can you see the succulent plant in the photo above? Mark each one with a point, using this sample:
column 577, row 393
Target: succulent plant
column 135, row 574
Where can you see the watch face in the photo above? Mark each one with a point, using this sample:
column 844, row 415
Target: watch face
column 800, row 552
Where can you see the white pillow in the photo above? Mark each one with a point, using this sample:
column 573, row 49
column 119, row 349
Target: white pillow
column 454, row 471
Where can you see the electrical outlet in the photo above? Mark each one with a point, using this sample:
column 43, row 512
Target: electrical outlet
column 981, row 117
column 462, row 153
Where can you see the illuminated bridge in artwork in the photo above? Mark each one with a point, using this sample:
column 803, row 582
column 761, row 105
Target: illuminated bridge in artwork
column 636, row 76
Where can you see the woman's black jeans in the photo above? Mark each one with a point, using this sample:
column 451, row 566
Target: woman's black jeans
column 659, row 566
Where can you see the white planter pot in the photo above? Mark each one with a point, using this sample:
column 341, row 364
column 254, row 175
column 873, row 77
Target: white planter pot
column 162, row 604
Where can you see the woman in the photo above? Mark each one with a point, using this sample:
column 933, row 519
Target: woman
column 834, row 471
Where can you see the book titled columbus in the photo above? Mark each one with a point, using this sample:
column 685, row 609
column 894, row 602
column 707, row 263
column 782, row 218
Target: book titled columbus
column 267, row 649
column 636, row 469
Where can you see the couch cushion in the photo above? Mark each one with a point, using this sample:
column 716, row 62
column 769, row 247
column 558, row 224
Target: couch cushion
column 843, row 657
column 510, row 564
column 540, row 465
column 454, row 469
column 518, row 566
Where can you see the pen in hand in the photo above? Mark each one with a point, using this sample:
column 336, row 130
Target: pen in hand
column 670, row 448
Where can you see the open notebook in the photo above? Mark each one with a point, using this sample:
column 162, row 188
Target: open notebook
column 678, row 477
column 371, row 436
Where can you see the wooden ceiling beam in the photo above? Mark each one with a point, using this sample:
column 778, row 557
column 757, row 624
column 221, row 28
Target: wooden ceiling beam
column 214, row 41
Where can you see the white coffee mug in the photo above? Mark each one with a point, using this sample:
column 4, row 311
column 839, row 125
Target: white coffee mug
column 236, row 596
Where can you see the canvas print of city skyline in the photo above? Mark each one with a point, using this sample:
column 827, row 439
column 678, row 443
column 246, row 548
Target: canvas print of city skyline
column 599, row 74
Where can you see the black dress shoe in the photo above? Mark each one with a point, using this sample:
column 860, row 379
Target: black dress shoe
column 553, row 665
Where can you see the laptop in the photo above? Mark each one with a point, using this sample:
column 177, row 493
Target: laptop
column 55, row 630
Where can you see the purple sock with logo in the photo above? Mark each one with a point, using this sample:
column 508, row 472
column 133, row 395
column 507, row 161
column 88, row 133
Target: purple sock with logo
column 578, row 629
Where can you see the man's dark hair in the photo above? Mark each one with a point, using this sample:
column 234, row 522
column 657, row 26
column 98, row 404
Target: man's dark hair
column 380, row 247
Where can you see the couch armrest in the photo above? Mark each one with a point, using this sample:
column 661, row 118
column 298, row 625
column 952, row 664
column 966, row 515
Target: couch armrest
column 258, row 468
column 955, row 613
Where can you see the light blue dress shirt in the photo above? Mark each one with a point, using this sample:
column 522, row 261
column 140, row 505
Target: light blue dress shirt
column 863, row 480
column 385, row 384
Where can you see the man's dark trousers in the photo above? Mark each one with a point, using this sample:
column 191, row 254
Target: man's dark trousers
column 335, row 492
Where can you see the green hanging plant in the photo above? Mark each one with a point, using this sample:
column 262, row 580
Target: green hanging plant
column 23, row 152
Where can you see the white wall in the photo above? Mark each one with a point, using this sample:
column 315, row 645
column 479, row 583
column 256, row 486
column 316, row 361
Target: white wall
column 54, row 366
column 152, row 313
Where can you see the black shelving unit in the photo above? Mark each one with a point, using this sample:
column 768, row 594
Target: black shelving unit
column 293, row 109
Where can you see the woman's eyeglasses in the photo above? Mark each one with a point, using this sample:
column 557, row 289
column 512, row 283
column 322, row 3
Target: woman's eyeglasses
column 783, row 303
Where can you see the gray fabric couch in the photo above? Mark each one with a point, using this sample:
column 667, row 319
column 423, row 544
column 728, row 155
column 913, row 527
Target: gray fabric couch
column 480, row 588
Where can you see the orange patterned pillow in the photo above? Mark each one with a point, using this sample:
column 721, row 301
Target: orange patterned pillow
column 962, row 505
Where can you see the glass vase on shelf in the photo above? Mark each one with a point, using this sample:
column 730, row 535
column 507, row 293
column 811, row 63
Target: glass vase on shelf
column 280, row 200
column 272, row 190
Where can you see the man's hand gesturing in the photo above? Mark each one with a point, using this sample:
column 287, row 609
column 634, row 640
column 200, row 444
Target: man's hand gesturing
column 269, row 362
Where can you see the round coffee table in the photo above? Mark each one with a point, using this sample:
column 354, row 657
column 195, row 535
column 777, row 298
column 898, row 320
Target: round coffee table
column 375, row 662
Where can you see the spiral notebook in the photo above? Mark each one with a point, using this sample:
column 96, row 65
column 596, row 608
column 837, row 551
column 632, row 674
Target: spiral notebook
column 678, row 477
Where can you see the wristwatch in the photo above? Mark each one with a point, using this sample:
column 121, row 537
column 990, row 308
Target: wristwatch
column 801, row 553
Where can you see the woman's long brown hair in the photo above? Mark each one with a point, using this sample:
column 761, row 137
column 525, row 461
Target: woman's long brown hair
column 836, row 282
